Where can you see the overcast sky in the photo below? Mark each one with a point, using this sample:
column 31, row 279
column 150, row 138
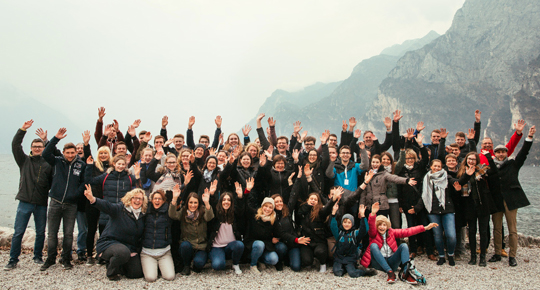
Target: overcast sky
column 145, row 59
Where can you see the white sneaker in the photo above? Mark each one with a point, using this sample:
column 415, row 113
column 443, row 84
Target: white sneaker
column 323, row 268
column 254, row 270
column 236, row 269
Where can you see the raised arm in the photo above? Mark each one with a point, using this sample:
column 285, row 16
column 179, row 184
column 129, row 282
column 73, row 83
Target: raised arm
column 16, row 144
column 189, row 134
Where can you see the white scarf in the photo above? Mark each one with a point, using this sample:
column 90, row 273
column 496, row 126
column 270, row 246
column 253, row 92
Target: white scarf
column 207, row 175
column 135, row 212
column 437, row 181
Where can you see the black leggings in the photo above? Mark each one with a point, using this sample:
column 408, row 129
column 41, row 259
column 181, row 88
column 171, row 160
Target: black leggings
column 120, row 261
column 317, row 250
column 483, row 228
column 92, row 219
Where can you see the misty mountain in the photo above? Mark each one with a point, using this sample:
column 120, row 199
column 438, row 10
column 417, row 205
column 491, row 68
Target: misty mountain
column 18, row 107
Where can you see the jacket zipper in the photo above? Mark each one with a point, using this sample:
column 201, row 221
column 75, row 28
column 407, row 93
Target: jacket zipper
column 117, row 188
column 67, row 183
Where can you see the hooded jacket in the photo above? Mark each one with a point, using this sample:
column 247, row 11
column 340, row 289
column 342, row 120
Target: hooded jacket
column 347, row 241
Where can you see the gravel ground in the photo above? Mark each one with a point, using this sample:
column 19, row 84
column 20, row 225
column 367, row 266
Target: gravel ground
column 462, row 276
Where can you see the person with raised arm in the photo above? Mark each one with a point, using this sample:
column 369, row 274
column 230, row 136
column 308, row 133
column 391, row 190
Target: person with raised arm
column 345, row 171
column 67, row 187
column 512, row 194
column 34, row 184
column 383, row 253
column 194, row 216
column 109, row 135
column 120, row 243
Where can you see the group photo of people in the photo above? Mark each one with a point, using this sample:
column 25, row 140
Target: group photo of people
column 156, row 204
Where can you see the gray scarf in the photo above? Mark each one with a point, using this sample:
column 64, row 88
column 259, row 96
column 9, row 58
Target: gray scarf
column 499, row 163
column 437, row 181
column 207, row 175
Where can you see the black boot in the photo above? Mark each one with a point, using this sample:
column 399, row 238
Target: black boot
column 473, row 259
column 451, row 261
column 279, row 266
column 495, row 258
column 512, row 261
column 186, row 271
column 482, row 260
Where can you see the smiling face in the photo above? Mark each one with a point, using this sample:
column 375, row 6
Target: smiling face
column 193, row 204
column 121, row 149
column 137, row 201
column 282, row 145
column 278, row 201
column 233, row 140
column 313, row 200
column 345, row 154
column 410, row 159
column 178, row 143
column 312, row 156
column 460, row 141
column 157, row 200
column 451, row 163
column 80, row 150
column 435, row 138
column 501, row 154
column 103, row 155
column 456, row 151
column 309, row 145
column 226, row 202
column 375, row 163
column 199, row 152
column 333, row 153
column 37, row 148
column 347, row 224
column 436, row 166
column 279, row 166
column 211, row 164
column 267, row 209
column 368, row 139
column 147, row 156
column 120, row 165
column 245, row 161
column 185, row 156
column 69, row 154
column 471, row 160
column 170, row 163
column 158, row 142
column 386, row 161
column 204, row 141
column 221, row 157
column 332, row 141
column 252, row 150
column 487, row 144
column 381, row 228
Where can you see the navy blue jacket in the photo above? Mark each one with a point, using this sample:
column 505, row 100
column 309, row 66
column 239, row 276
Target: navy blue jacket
column 68, row 179
column 157, row 229
column 123, row 228
column 347, row 241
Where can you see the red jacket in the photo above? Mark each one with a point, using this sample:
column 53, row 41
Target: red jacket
column 511, row 146
column 391, row 235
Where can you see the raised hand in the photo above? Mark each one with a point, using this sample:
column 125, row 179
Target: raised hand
column 409, row 134
column 27, row 125
column 262, row 160
column 457, row 186
column 250, row 182
column 136, row 124
column 532, row 130
column 375, row 208
column 297, row 127
column 484, row 152
column 187, row 177
column 107, row 129
column 218, row 121
column 61, row 134
column 444, row 133
column 295, row 154
column 259, row 118
column 357, row 133
column 88, row 193
column 115, row 125
column 131, row 131
column 246, row 130
column 221, row 138
column 271, row 122
column 147, row 137
column 470, row 135
column 369, row 176
column 206, row 197
column 86, row 137
column 159, row 154
column 335, row 208
column 477, row 115
column 239, row 191
column 412, row 182
column 268, row 152
column 176, row 191
column 290, row 179
column 308, row 170
column 41, row 134
column 420, row 126
column 352, row 123
column 303, row 136
column 520, row 126
column 397, row 116
column 90, row 160
column 470, row 170
column 419, row 139
column 324, row 136
column 344, row 126
column 338, row 192
column 191, row 122
column 361, row 211
column 388, row 123
column 430, row 226
column 231, row 158
column 101, row 113
column 191, row 158
column 137, row 169
column 169, row 142
column 213, row 187
column 211, row 151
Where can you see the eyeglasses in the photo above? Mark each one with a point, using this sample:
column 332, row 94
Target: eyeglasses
column 157, row 198
column 37, row 147
column 138, row 198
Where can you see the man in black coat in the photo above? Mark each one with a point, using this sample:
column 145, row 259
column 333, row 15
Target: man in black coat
column 34, row 184
column 513, row 196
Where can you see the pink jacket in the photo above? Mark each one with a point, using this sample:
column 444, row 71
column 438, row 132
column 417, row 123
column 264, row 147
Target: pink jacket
column 391, row 235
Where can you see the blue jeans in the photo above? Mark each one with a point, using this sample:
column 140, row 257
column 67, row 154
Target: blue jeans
column 447, row 223
column 64, row 213
column 233, row 250
column 83, row 231
column 281, row 250
column 349, row 268
column 24, row 211
column 258, row 252
column 188, row 254
column 401, row 256
column 295, row 260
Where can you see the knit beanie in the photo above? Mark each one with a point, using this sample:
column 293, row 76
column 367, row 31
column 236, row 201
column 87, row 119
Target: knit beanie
column 268, row 200
column 199, row 145
column 349, row 217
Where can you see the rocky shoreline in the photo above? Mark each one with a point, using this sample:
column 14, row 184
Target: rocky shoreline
column 463, row 276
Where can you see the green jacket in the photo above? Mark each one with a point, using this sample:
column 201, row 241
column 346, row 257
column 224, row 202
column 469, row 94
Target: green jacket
column 195, row 232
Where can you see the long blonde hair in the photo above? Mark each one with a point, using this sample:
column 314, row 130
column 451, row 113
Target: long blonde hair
column 260, row 214
column 98, row 162
column 126, row 200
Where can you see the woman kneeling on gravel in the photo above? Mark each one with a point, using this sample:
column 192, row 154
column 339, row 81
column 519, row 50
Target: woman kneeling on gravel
column 120, row 242
column 383, row 248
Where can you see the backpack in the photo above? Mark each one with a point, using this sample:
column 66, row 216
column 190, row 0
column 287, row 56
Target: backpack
column 410, row 268
column 105, row 179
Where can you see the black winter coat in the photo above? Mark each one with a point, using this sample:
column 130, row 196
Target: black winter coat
column 411, row 196
column 157, row 227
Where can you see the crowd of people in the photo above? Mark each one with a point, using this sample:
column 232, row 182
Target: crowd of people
column 174, row 205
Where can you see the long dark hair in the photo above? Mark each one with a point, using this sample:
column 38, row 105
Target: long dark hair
column 385, row 153
column 201, row 207
column 463, row 166
column 285, row 210
column 316, row 208
column 225, row 215
column 314, row 164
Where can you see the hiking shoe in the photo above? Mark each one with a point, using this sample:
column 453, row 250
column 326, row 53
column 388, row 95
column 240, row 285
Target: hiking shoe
column 512, row 261
column 254, row 270
column 391, row 277
column 495, row 258
column 409, row 279
column 38, row 261
column 482, row 262
column 370, row 272
column 48, row 263
column 419, row 251
column 473, row 259
column 186, row 271
column 115, row 277
column 67, row 265
column 451, row 261
column 441, row 261
column 432, row 257
column 504, row 253
column 90, row 261
column 10, row 266
column 279, row 266
column 81, row 257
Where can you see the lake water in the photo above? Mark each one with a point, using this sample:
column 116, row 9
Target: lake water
column 528, row 217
